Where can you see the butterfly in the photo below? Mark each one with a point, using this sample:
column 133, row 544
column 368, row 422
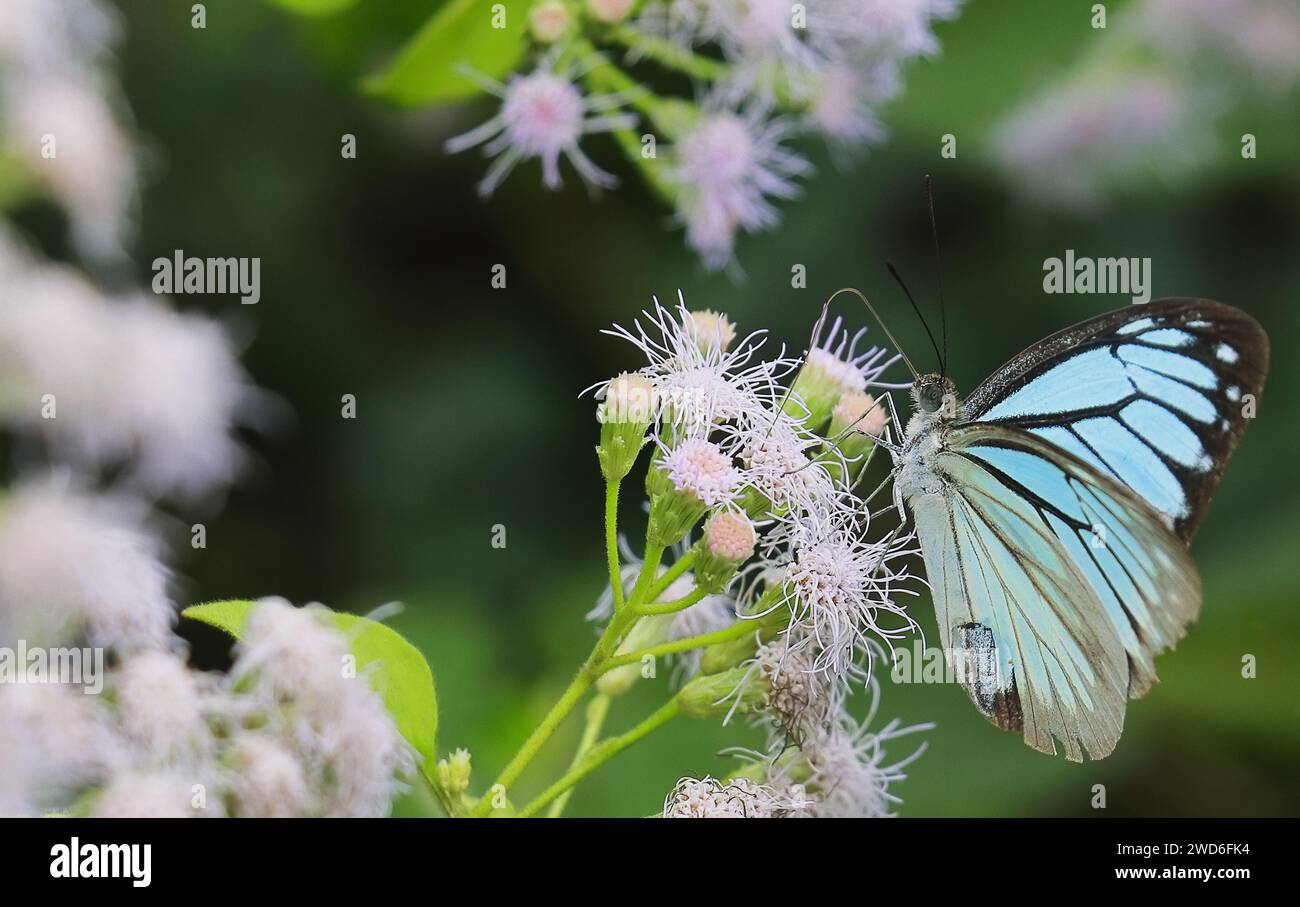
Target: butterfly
column 1055, row 504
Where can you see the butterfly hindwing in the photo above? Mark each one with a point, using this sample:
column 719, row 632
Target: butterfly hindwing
column 1058, row 583
column 1154, row 395
column 1140, row 572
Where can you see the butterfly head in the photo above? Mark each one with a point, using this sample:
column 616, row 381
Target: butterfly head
column 935, row 396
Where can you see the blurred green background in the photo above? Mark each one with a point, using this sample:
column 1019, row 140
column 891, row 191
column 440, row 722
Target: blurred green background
column 375, row 279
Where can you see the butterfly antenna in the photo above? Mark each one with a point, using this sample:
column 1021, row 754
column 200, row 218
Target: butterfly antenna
column 880, row 321
column 938, row 267
column 917, row 309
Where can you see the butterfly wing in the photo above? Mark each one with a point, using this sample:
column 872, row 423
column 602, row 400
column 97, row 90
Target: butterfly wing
column 1055, row 584
column 1155, row 396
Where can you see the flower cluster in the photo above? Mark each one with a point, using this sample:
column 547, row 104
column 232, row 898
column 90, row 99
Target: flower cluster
column 766, row 72
column 109, row 382
column 289, row 731
column 1143, row 104
column 762, row 575
column 62, row 124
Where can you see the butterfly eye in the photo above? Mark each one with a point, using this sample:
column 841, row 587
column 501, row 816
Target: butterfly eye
column 931, row 398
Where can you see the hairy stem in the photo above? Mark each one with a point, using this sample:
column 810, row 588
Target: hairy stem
column 611, row 542
column 680, row 566
column 597, row 709
column 602, row 753
column 670, row 55
column 672, row 607
column 653, row 555
column 735, row 631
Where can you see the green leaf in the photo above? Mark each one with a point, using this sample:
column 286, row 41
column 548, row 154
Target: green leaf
column 459, row 34
column 401, row 676
column 314, row 7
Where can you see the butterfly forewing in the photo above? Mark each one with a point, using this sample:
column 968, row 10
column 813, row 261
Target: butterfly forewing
column 1154, row 395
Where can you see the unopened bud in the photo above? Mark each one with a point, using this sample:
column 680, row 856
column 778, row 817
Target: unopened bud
column 609, row 11
column 549, row 21
column 624, row 414
column 454, row 772
column 736, row 691
column 729, row 540
column 710, row 330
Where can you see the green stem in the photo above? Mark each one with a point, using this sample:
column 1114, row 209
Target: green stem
column 597, row 709
column 680, row 566
column 611, row 542
column 735, row 631
column 602, row 753
column 673, row 607
column 668, row 54
column 653, row 555
column 585, row 677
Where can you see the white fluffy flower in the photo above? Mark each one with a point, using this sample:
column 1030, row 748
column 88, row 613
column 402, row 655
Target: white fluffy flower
column 177, row 391
column 56, row 740
column 70, row 562
column 700, row 387
column 708, row 798
column 543, row 115
column 162, row 710
column 92, row 172
column 56, row 86
column 783, row 462
column 843, row 359
column 142, row 795
column 113, row 382
column 727, row 167
column 268, row 779
column 699, row 469
column 839, row 586
column 849, row 777
column 326, row 714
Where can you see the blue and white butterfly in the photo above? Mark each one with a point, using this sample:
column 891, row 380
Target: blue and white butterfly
column 1055, row 504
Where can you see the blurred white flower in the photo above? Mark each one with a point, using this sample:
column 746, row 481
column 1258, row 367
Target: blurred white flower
column 268, row 779
column 325, row 713
column 1073, row 143
column 71, row 562
column 1260, row 38
column 91, row 170
column 178, row 389
column 543, row 115
column 727, row 167
column 56, row 87
column 163, row 710
column 119, row 382
column 145, row 795
column 56, row 739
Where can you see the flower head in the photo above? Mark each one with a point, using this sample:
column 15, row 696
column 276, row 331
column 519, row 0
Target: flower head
column 727, row 167
column 70, row 563
column 700, row 470
column 699, row 388
column 849, row 777
column 838, row 586
column 543, row 115
column 708, row 798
